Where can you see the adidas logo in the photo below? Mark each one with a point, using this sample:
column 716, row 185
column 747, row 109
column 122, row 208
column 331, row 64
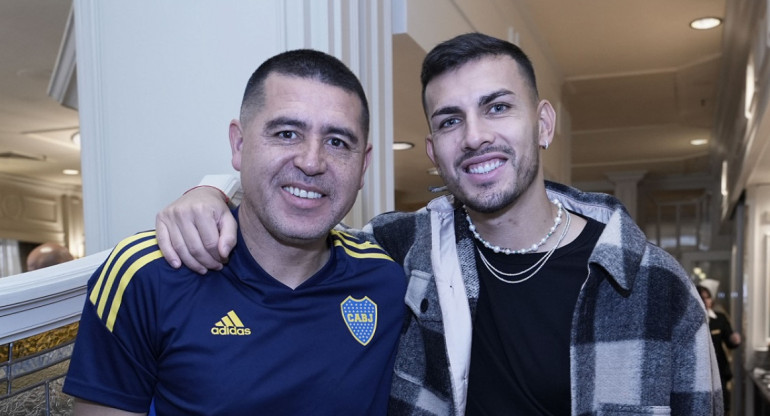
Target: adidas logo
column 230, row 324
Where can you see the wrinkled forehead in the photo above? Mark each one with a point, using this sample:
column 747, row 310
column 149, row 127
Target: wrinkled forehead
column 291, row 93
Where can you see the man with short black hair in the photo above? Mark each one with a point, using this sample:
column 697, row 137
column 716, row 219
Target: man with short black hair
column 303, row 319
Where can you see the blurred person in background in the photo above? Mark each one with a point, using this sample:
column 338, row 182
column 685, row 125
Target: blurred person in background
column 47, row 254
column 721, row 333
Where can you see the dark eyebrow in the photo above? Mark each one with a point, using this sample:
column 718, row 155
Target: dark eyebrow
column 445, row 110
column 285, row 121
column 483, row 100
column 342, row 131
column 486, row 99
column 301, row 125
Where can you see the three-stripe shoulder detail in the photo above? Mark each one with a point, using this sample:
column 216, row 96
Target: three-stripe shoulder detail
column 358, row 248
column 124, row 261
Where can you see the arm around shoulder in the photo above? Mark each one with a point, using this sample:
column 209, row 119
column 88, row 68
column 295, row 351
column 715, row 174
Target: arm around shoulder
column 198, row 229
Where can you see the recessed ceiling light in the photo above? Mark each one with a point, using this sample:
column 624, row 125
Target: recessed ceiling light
column 70, row 171
column 402, row 145
column 705, row 23
column 433, row 171
column 698, row 142
column 76, row 138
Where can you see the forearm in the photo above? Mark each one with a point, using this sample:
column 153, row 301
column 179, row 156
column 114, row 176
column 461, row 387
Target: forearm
column 86, row 408
column 229, row 184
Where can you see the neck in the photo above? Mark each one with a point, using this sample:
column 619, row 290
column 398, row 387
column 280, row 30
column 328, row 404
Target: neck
column 519, row 225
column 289, row 262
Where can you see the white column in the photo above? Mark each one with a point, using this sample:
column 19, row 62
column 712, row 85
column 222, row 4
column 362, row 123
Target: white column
column 626, row 188
column 757, row 269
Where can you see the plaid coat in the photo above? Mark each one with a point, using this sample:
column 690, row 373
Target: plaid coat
column 640, row 343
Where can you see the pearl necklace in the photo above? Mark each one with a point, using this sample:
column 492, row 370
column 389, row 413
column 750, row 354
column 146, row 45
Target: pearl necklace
column 537, row 265
column 530, row 249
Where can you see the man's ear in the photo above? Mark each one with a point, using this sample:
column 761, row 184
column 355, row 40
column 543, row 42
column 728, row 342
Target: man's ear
column 429, row 150
column 546, row 123
column 236, row 143
column 367, row 159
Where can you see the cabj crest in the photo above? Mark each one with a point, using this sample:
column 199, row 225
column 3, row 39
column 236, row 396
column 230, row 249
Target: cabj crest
column 360, row 316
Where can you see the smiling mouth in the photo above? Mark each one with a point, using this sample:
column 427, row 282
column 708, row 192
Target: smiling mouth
column 486, row 167
column 302, row 193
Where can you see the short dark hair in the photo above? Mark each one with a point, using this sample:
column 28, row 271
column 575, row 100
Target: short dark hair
column 458, row 51
column 303, row 63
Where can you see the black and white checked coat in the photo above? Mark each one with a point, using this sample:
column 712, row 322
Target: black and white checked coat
column 640, row 342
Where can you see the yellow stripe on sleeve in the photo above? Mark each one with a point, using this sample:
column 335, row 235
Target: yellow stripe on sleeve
column 97, row 287
column 124, row 281
column 348, row 240
column 358, row 255
column 116, row 268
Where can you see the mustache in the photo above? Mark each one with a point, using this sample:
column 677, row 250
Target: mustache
column 480, row 152
column 318, row 183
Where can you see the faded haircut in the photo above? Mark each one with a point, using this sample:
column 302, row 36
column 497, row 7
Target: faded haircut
column 456, row 52
column 303, row 63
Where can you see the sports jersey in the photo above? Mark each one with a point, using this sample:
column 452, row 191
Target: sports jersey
column 237, row 341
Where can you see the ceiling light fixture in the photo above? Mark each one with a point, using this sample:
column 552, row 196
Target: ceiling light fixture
column 70, row 172
column 705, row 23
column 402, row 145
column 433, row 171
column 76, row 138
column 698, row 142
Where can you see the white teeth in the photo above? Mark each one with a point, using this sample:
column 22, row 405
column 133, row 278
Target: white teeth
column 301, row 193
column 485, row 167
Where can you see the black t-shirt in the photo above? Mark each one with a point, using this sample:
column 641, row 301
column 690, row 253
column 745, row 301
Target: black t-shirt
column 520, row 363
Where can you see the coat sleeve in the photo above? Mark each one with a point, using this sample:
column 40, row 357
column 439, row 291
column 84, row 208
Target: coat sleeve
column 696, row 385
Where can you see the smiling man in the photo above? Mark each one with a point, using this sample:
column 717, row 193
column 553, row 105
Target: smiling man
column 303, row 319
column 525, row 297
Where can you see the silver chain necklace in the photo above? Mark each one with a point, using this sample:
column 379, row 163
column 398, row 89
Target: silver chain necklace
column 530, row 249
column 537, row 265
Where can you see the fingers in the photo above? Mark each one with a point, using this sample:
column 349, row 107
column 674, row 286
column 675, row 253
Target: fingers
column 177, row 248
column 228, row 229
column 189, row 228
column 195, row 238
column 201, row 235
column 164, row 242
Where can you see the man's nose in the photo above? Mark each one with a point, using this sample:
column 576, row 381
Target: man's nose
column 312, row 158
column 477, row 133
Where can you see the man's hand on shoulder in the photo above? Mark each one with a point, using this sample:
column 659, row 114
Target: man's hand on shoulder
column 197, row 229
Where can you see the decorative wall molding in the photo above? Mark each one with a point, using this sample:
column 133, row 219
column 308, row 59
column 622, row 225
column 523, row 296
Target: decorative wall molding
column 32, row 210
column 63, row 85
